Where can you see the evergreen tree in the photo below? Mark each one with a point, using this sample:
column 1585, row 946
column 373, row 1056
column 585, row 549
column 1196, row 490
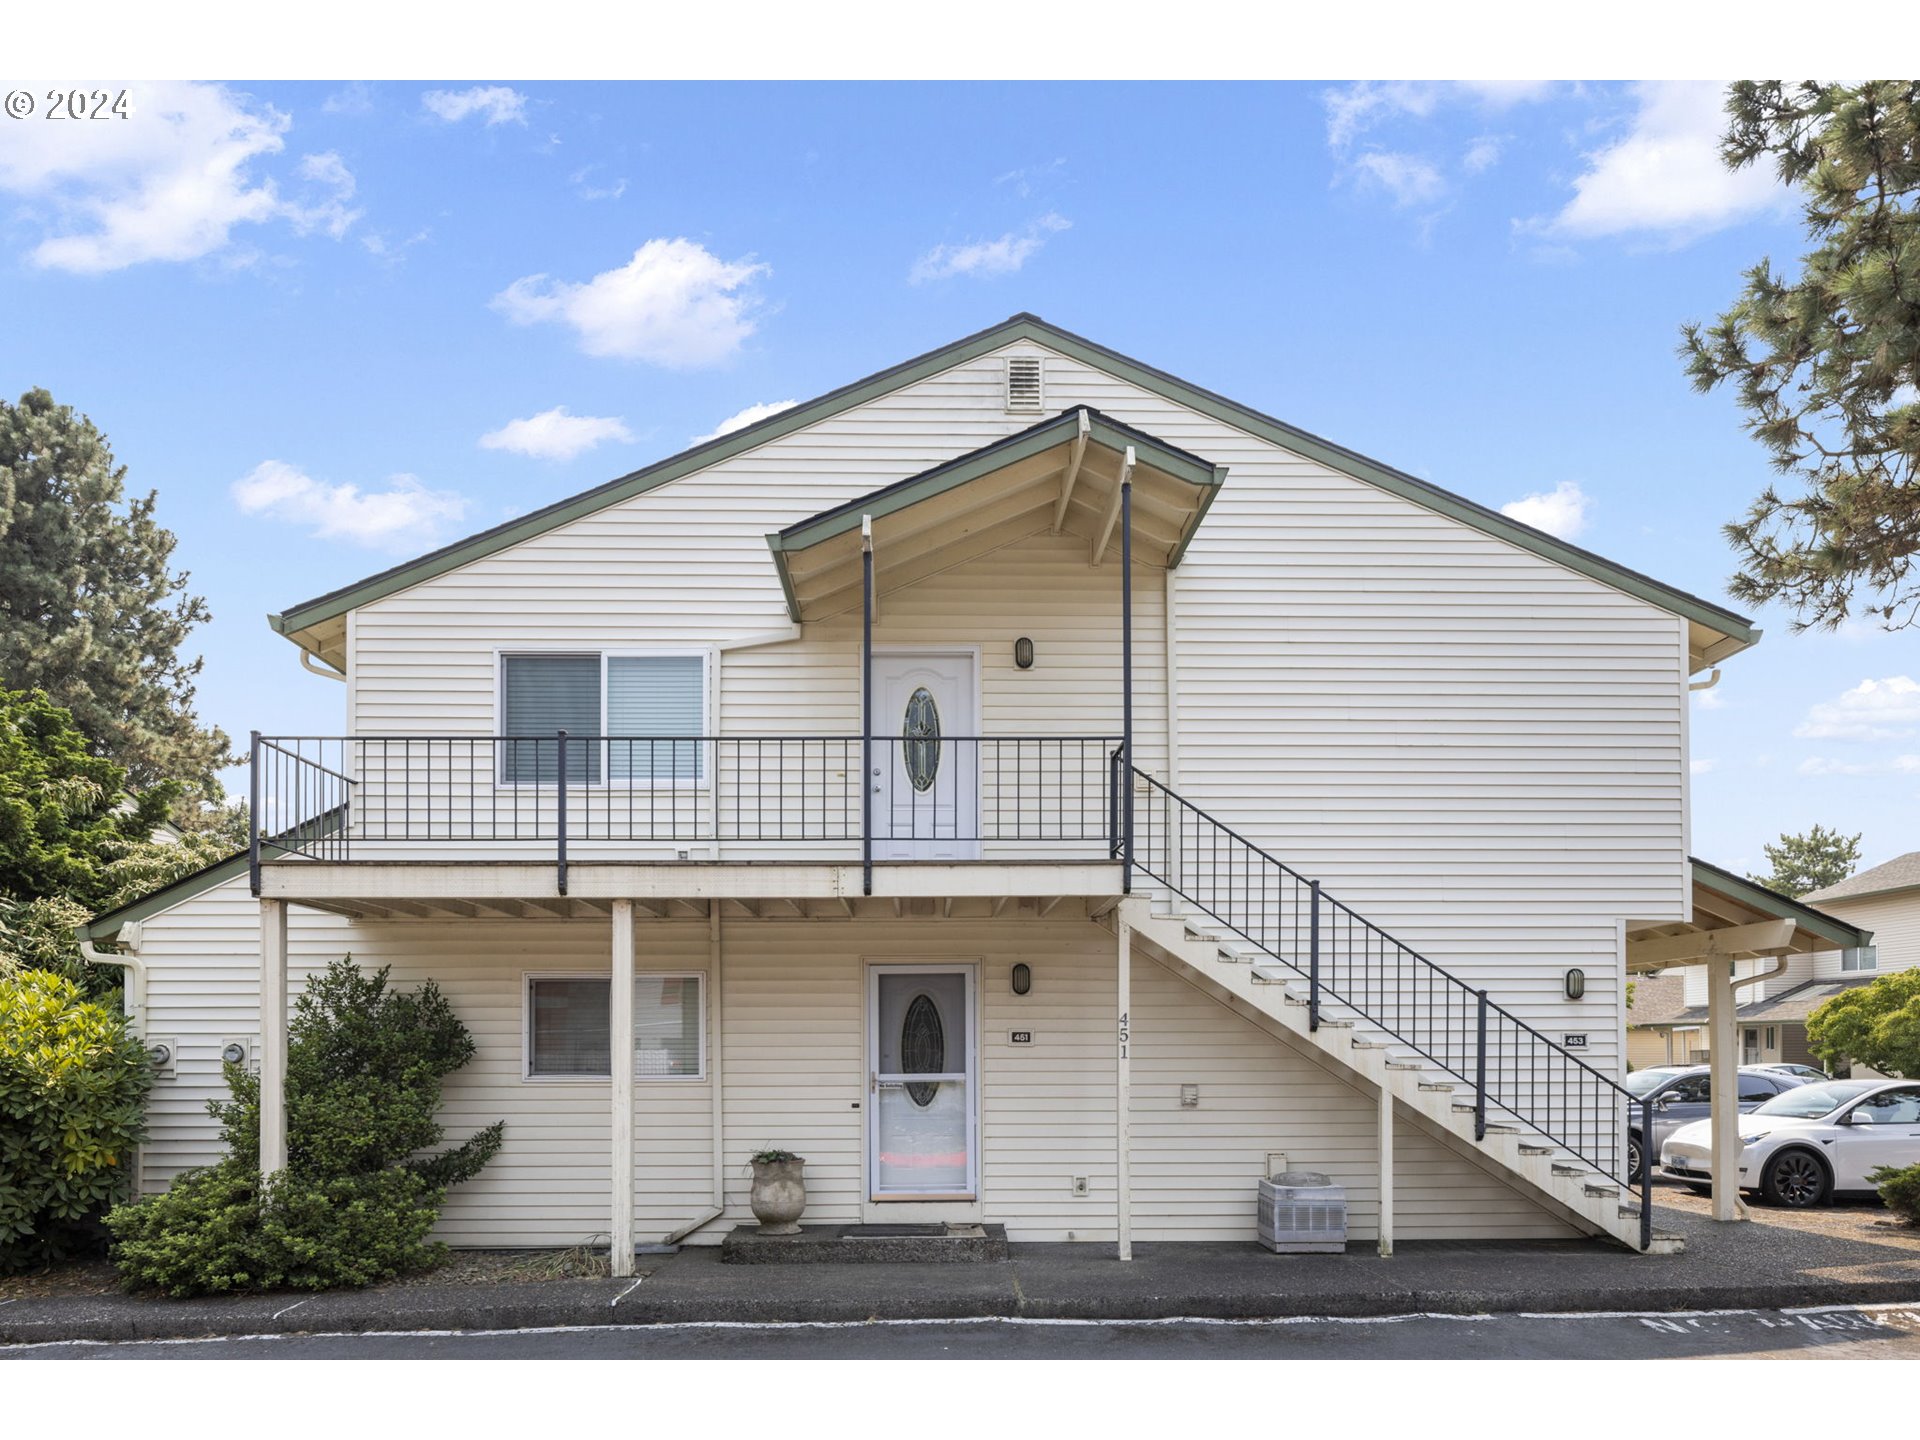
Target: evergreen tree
column 1826, row 364
column 89, row 610
column 1809, row 862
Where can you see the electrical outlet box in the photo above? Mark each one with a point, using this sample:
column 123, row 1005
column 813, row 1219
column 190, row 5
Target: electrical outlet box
column 1189, row 1097
column 1080, row 1185
column 1276, row 1163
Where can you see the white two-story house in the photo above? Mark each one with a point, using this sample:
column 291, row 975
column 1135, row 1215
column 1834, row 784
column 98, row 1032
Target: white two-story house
column 1034, row 788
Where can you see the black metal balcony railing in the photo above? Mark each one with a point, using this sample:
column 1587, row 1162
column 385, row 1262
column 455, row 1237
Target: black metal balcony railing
column 323, row 796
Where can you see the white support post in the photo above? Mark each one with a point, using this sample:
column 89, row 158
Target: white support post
column 273, row 1036
column 620, row 1024
column 1724, row 1082
column 1123, row 1095
column 1386, row 1170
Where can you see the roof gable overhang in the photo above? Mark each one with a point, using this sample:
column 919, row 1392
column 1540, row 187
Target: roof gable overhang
column 1723, row 905
column 318, row 625
column 1059, row 477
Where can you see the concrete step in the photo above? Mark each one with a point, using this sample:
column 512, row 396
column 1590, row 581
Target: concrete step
column 1440, row 1085
column 1534, row 1147
column 1601, row 1191
column 1373, row 1042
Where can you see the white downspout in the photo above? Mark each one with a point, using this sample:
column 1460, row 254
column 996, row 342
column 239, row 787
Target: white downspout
column 306, row 663
column 1708, row 683
column 133, row 992
column 716, row 1073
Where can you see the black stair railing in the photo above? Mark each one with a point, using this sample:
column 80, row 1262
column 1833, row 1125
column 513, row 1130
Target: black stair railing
column 1344, row 957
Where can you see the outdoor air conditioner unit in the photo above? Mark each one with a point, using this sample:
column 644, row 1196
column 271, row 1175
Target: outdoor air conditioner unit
column 1302, row 1212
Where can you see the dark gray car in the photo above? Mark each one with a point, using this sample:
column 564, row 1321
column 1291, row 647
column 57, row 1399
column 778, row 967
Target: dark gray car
column 1682, row 1096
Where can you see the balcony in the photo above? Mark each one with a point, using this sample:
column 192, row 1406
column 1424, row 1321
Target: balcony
column 559, row 798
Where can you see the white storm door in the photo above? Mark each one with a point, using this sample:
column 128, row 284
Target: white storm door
column 925, row 781
column 923, row 1090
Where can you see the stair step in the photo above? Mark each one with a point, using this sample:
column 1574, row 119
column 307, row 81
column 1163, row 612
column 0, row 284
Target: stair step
column 1446, row 1085
column 1564, row 1168
column 1373, row 1042
column 1534, row 1147
column 1496, row 1127
column 1602, row 1192
column 1406, row 1064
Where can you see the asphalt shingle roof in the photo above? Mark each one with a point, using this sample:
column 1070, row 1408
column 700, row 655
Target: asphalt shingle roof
column 1901, row 873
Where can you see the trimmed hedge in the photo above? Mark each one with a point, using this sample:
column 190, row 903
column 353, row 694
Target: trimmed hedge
column 1900, row 1188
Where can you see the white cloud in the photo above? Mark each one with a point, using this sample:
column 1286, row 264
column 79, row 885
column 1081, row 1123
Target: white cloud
column 169, row 183
column 1352, row 110
column 1409, row 179
column 674, row 304
column 1893, row 765
column 1483, row 153
column 1709, row 699
column 740, row 419
column 405, row 516
column 556, row 435
column 1873, row 710
column 1701, row 767
column 1024, row 179
column 1560, row 511
column 589, row 189
column 495, row 104
column 988, row 257
column 329, row 175
column 1665, row 176
column 353, row 99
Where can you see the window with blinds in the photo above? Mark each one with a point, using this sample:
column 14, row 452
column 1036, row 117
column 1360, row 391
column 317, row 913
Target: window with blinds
column 655, row 705
column 638, row 718
column 568, row 1023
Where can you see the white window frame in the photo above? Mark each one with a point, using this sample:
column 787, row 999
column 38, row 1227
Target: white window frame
column 1864, row 957
column 527, row 981
column 708, row 669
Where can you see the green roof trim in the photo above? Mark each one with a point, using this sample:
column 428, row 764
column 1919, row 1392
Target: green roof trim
column 106, row 925
column 1203, row 475
column 1784, row 907
column 1028, row 328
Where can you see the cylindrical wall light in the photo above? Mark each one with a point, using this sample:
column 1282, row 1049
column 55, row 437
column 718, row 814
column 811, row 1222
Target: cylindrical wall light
column 1023, row 653
column 1022, row 979
column 1576, row 984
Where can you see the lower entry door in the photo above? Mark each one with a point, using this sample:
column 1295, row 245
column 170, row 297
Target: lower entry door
column 923, row 1091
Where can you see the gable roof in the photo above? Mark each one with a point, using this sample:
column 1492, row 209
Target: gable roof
column 1726, row 633
column 932, row 513
column 1900, row 873
column 1811, row 926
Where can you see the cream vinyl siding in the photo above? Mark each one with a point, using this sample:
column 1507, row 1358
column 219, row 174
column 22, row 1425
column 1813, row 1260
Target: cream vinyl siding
column 1895, row 922
column 795, row 1076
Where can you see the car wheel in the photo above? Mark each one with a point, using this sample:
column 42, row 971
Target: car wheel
column 1633, row 1158
column 1796, row 1179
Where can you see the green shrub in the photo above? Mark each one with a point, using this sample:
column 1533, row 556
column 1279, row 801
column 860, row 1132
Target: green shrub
column 72, row 1084
column 363, row 1184
column 1877, row 1025
column 1900, row 1188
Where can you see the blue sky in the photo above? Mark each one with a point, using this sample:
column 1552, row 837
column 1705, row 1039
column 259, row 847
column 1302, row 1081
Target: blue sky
column 311, row 314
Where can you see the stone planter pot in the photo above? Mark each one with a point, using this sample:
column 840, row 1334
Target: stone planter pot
column 779, row 1195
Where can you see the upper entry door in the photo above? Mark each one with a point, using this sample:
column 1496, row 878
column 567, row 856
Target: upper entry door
column 925, row 772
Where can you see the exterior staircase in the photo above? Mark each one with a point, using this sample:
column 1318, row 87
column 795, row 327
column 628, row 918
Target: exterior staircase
column 1240, row 923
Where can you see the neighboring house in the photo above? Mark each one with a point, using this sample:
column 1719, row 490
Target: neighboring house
column 1877, row 915
column 1653, row 1037
column 1332, row 848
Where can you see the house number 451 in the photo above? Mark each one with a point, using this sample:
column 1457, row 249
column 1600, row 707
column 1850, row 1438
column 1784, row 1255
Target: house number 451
column 1123, row 1035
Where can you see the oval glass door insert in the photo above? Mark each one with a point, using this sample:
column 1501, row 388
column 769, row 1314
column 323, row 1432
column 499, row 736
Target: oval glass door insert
column 923, row 1048
column 920, row 739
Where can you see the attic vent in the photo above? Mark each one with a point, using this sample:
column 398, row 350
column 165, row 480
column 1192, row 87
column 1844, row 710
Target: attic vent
column 1023, row 382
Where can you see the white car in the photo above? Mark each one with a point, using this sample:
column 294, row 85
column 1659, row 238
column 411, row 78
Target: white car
column 1801, row 1147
